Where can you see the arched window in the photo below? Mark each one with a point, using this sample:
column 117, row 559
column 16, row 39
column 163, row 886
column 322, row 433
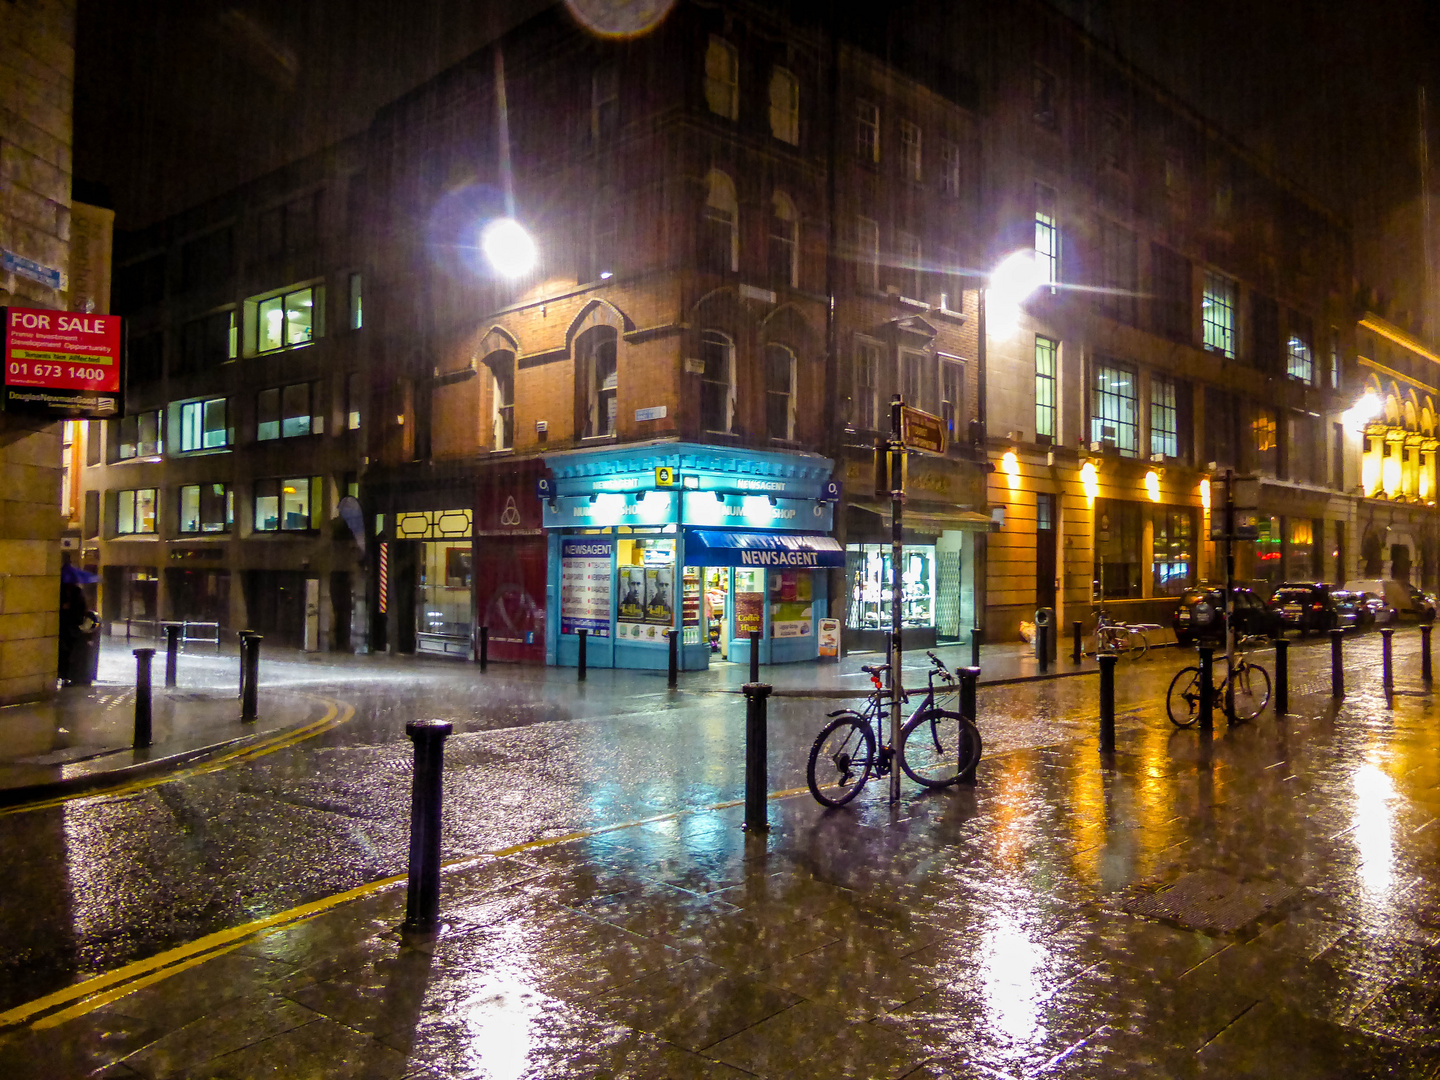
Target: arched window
column 785, row 106
column 501, row 365
column 595, row 357
column 720, row 239
column 604, row 235
column 722, row 78
column 784, row 241
column 717, row 383
column 779, row 392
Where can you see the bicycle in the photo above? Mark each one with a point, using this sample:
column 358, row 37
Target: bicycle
column 847, row 751
column 1122, row 639
column 1243, row 692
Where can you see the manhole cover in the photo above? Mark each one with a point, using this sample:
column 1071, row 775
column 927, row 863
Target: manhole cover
column 1210, row 900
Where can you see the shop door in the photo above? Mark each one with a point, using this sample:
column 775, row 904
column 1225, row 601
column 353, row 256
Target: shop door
column 1044, row 551
column 510, row 575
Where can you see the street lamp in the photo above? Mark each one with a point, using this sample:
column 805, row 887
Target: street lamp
column 1363, row 411
column 1007, row 286
column 508, row 247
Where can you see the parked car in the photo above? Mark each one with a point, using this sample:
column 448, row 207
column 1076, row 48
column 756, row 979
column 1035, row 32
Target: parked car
column 1408, row 601
column 1381, row 613
column 1200, row 614
column 1352, row 611
column 1306, row 606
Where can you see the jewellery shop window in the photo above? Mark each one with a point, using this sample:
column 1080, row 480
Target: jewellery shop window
column 645, row 605
column 867, row 569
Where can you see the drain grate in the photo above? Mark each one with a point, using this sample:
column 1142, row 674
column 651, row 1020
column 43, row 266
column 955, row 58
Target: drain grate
column 1210, row 900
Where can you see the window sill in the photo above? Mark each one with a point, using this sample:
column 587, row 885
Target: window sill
column 280, row 351
column 595, row 440
column 127, row 537
column 283, row 532
column 190, row 538
column 149, row 459
column 502, row 451
column 210, row 451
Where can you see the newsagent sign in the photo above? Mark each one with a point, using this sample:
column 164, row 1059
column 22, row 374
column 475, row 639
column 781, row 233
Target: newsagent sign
column 62, row 363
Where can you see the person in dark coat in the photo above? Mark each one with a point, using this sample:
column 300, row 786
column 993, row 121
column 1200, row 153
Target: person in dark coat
column 74, row 610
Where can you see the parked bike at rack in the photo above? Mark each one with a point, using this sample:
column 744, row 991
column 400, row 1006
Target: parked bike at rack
column 1121, row 639
column 853, row 747
column 1243, row 691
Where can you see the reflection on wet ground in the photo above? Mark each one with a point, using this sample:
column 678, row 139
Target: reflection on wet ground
column 1259, row 903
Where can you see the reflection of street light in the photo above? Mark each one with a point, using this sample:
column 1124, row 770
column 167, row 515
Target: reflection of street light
column 1363, row 411
column 509, row 247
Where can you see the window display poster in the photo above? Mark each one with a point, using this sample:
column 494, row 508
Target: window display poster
column 660, row 595
column 632, row 595
column 791, row 618
column 585, row 585
column 749, row 612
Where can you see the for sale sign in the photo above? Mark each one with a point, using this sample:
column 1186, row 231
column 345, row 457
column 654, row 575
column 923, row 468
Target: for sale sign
column 65, row 363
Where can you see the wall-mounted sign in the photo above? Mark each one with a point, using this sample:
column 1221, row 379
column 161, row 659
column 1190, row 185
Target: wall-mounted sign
column 664, row 476
column 655, row 412
column 756, row 512
column 832, row 491
column 49, row 276
column 610, row 508
column 62, row 363
column 585, row 574
column 922, row 431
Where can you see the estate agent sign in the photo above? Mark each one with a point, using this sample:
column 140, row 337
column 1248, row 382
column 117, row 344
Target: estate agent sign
column 62, row 363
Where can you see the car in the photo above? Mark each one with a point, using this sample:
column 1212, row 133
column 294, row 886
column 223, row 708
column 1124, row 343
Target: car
column 1352, row 611
column 1381, row 613
column 1408, row 601
column 1200, row 616
column 1306, row 606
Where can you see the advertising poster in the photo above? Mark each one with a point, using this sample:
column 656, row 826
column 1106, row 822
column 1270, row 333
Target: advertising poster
column 791, row 618
column 830, row 637
column 585, row 585
column 749, row 612
column 660, row 595
column 631, row 596
column 63, row 363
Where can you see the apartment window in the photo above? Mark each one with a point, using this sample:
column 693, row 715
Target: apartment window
column 867, row 252
column 784, row 241
column 1047, row 235
column 140, row 435
column 604, row 234
column 1173, row 550
column 282, row 322
column 1334, row 358
column 135, row 512
column 1046, row 350
column 206, row 508
column 354, row 397
column 91, row 520
column 1043, row 99
column 909, row 270
column 717, row 382
column 779, row 392
column 721, row 237
column 867, row 132
column 357, row 309
column 1217, row 314
column 950, row 169
column 352, row 485
column 1263, row 439
column 1164, row 417
column 292, row 228
column 596, row 351
column 1299, row 357
column 912, row 378
column 605, row 102
column 866, row 403
column 207, row 342
column 203, row 425
column 1114, row 408
column 722, row 78
column 286, row 412
column 1119, row 272
column 1220, row 427
column 1172, row 306
column 952, row 398
column 291, row 504
column 785, row 106
column 502, row 399
column 910, row 150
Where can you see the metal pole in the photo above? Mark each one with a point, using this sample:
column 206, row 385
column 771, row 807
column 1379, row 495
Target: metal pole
column 1337, row 663
column 142, row 697
column 1077, row 650
column 172, row 650
column 1207, row 688
column 251, row 655
column 1282, row 677
column 243, row 636
column 977, row 638
column 422, row 893
column 1107, row 703
column 1387, row 672
column 580, row 656
column 897, row 582
column 1042, row 643
column 674, row 659
column 484, row 647
column 1425, row 651
column 757, row 784
column 755, row 656
column 969, row 676
column 1229, row 570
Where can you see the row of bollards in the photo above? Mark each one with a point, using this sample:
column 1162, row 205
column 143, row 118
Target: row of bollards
column 144, row 698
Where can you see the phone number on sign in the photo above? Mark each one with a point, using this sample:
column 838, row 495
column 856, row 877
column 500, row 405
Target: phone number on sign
column 58, row 371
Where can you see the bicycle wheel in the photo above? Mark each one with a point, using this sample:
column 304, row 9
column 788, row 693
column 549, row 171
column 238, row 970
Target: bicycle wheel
column 938, row 747
column 1182, row 700
column 1136, row 645
column 840, row 760
column 1250, row 692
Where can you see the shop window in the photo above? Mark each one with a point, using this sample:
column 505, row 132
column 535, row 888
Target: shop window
column 717, row 383
column 206, row 508
column 784, row 241
column 866, row 401
column 1174, row 559
column 287, row 412
column 442, row 599
column 1046, row 350
column 779, row 392
column 785, row 106
column 910, row 148
column 203, row 425
column 867, row 574
column 288, row 505
column 596, row 352
column 286, row 321
column 645, row 591
column 867, row 132
column 1217, row 314
column 1119, row 533
column 1302, row 562
column 720, row 237
column 1114, row 409
column 792, row 612
column 867, row 253
column 135, row 512
column 1047, row 235
column 139, row 436
column 604, row 103
column 502, row 399
column 722, row 78
column 1164, row 417
column 1267, row 551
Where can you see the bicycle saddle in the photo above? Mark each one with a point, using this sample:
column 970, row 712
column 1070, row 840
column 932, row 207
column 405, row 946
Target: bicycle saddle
column 874, row 669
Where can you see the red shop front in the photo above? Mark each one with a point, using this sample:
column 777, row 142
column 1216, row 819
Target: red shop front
column 510, row 563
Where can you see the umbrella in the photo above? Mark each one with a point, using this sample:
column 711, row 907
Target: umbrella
column 73, row 575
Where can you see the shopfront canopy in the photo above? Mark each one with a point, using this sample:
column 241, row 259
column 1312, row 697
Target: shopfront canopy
column 713, row 547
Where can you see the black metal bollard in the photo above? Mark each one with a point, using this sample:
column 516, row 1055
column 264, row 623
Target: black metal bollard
column 969, row 677
column 977, row 636
column 1042, row 646
column 1107, row 703
column 1337, row 663
column 1425, row 651
column 580, row 656
column 1282, row 676
column 1207, row 688
column 422, row 892
column 244, row 636
column 1077, row 650
column 251, row 654
column 757, row 782
column 1387, row 672
column 754, row 656
column 172, row 652
column 674, row 675
column 142, row 697
column 484, row 647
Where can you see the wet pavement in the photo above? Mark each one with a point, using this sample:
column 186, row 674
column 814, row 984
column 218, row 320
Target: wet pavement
column 1259, row 903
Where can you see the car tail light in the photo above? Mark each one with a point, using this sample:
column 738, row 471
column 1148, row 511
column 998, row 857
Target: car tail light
column 1317, row 607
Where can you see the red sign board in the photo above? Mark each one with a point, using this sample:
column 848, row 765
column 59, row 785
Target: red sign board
column 68, row 363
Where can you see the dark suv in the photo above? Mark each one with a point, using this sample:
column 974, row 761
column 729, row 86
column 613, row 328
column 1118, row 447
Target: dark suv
column 1306, row 606
column 1200, row 614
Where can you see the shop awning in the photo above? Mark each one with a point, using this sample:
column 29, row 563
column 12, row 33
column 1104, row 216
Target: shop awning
column 714, row 547
column 928, row 517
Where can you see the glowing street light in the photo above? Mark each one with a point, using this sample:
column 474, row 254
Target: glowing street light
column 1017, row 276
column 1363, row 411
column 510, row 249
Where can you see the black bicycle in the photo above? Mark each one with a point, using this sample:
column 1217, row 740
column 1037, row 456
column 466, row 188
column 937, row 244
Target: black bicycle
column 1243, row 692
column 852, row 747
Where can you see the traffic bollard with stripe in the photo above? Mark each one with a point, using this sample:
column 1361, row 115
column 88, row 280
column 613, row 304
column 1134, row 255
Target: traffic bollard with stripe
column 757, row 782
column 422, row 891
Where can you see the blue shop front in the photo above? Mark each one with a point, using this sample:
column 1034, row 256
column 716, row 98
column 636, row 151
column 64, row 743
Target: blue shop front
column 714, row 542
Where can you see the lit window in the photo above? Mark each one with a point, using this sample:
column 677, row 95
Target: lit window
column 785, row 106
column 1217, row 314
column 1300, row 358
column 867, row 132
column 203, row 425
column 784, row 237
column 140, row 435
column 135, row 512
column 1164, row 417
column 502, row 399
column 357, row 313
column 282, row 322
column 1045, row 350
column 909, row 150
column 779, row 392
column 721, row 236
column 867, row 252
column 1047, row 235
column 717, row 382
column 1114, row 409
column 285, row 412
column 288, row 505
column 206, row 508
column 722, row 78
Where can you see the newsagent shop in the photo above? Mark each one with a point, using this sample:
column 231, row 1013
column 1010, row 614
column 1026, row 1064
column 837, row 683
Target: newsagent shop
column 713, row 542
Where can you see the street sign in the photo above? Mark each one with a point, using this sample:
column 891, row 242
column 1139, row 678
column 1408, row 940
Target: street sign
column 665, row 476
column 922, row 431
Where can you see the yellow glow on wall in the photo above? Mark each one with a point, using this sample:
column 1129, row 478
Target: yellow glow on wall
column 1152, row 485
column 1427, row 464
column 1205, row 494
column 1390, row 475
column 1090, row 479
column 1370, row 467
column 1010, row 466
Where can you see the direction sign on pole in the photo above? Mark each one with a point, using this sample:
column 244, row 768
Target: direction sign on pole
column 922, row 431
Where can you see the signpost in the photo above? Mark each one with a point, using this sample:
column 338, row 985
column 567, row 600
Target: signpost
column 1238, row 523
column 62, row 363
